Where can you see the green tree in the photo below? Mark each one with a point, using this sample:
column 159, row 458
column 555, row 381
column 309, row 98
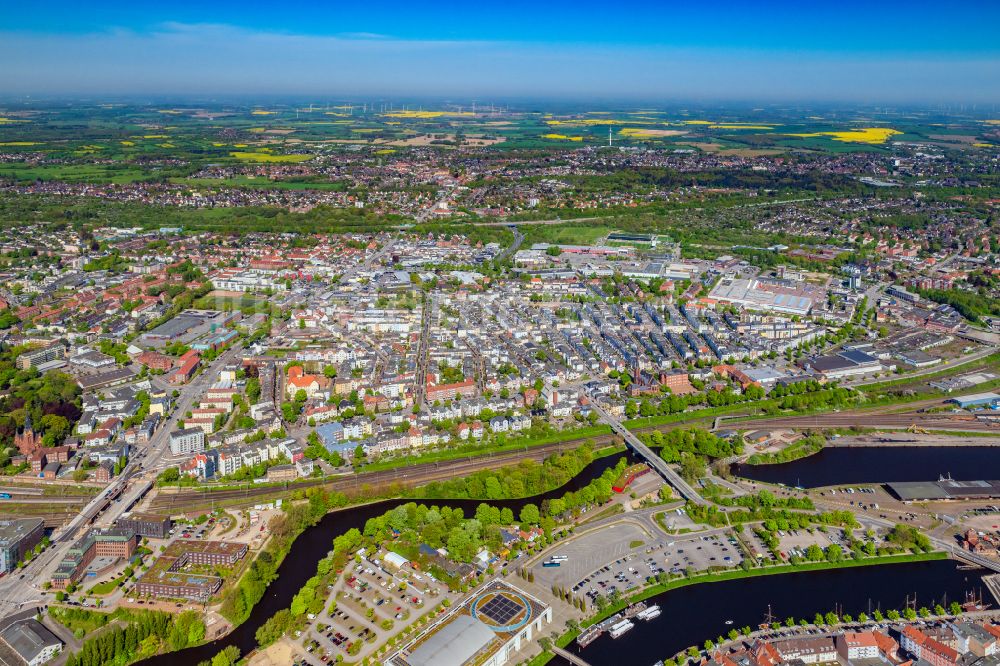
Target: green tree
column 529, row 514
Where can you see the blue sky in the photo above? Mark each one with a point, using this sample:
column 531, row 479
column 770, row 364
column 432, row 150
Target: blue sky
column 875, row 52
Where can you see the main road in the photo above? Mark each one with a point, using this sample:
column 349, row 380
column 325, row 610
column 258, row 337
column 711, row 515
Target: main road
column 156, row 451
column 22, row 589
column 654, row 460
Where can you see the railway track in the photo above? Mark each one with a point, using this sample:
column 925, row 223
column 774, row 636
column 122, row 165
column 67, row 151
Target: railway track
column 923, row 421
column 424, row 473
column 403, row 477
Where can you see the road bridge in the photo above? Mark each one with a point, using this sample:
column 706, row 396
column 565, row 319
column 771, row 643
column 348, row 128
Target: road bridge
column 650, row 456
column 966, row 556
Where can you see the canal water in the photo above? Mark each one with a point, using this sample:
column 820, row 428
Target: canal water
column 692, row 614
column 315, row 542
column 879, row 464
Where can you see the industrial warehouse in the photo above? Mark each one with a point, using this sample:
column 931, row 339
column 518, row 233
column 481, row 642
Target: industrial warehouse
column 944, row 489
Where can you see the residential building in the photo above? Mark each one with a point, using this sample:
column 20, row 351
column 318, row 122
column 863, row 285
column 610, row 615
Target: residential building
column 187, row 441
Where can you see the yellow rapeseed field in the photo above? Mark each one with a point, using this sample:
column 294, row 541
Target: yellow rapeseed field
column 649, row 133
column 742, row 127
column 19, row 143
column 127, row 143
column 635, row 132
column 261, row 112
column 584, row 122
column 869, row 135
column 11, row 121
column 429, row 114
column 562, row 137
column 267, row 157
column 385, row 151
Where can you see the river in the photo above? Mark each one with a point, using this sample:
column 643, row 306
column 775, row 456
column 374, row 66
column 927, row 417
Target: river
column 844, row 465
column 697, row 612
column 691, row 613
column 316, row 541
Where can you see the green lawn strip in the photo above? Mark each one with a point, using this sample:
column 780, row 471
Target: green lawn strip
column 107, row 587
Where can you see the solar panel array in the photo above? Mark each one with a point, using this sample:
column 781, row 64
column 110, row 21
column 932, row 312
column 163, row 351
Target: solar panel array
column 501, row 609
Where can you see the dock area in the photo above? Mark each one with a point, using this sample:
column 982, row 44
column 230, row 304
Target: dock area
column 590, row 634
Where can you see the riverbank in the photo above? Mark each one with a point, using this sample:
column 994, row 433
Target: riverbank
column 959, row 439
column 567, row 638
column 271, row 592
column 660, row 588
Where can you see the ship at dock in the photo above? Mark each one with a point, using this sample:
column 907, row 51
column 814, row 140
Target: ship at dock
column 616, row 625
column 648, row 614
column 621, row 628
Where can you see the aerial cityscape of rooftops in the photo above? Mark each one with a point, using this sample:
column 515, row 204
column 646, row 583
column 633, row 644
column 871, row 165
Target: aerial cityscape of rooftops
column 427, row 381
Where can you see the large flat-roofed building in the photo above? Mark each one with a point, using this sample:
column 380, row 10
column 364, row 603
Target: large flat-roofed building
column 186, row 326
column 112, row 543
column 167, row 578
column 17, row 537
column 761, row 294
column 36, row 357
column 30, row 641
column 944, row 489
column 208, row 552
column 486, row 630
column 976, row 400
column 146, row 524
column 850, row 363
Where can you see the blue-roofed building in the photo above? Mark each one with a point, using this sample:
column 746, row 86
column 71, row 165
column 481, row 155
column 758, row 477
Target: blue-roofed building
column 332, row 436
column 858, row 356
column 976, row 400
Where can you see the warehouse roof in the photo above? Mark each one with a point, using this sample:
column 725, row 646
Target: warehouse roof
column 454, row 644
column 975, row 399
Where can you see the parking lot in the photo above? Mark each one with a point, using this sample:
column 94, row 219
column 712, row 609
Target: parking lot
column 799, row 540
column 607, row 560
column 368, row 604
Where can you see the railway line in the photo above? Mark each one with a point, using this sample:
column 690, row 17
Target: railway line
column 176, row 501
column 403, row 477
column 957, row 423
